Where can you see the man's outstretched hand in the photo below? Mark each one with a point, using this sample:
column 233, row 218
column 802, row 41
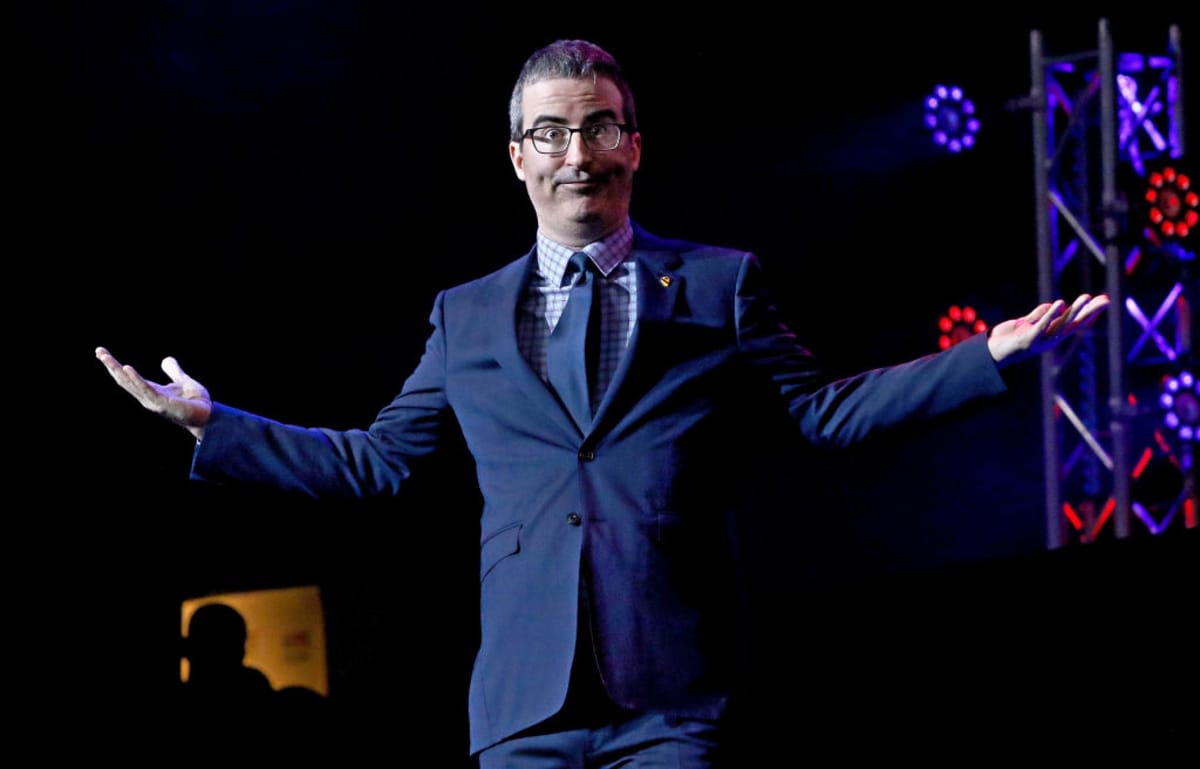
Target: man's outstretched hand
column 183, row 401
column 1048, row 325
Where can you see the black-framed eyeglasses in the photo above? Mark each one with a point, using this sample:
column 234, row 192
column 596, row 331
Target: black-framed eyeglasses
column 554, row 139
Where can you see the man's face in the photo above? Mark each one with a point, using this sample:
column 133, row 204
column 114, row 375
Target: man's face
column 582, row 195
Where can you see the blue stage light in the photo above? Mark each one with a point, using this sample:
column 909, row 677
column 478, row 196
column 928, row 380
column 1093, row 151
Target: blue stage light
column 950, row 118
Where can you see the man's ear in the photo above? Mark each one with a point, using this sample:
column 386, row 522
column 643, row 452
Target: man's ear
column 517, row 158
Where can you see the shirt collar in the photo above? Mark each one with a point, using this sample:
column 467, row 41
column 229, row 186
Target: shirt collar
column 606, row 253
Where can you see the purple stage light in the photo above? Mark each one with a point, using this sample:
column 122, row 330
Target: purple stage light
column 1179, row 399
column 950, row 118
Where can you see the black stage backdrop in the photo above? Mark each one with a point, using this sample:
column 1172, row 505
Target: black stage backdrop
column 273, row 192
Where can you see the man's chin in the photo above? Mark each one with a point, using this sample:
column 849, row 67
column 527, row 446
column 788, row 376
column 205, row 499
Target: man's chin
column 587, row 225
column 588, row 210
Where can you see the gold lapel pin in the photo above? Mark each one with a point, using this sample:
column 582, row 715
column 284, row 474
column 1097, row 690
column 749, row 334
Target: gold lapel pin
column 665, row 280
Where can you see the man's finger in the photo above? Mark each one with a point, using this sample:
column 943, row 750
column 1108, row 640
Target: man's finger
column 132, row 382
column 1038, row 312
column 1097, row 304
column 110, row 363
column 171, row 368
column 1053, row 312
column 1093, row 310
column 1089, row 310
column 1084, row 312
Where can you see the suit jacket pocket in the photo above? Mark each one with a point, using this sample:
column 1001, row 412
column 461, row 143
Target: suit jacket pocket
column 498, row 546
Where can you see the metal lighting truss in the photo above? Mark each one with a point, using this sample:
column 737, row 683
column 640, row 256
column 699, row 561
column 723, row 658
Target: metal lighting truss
column 1103, row 120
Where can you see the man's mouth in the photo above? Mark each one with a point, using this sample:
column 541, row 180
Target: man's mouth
column 579, row 181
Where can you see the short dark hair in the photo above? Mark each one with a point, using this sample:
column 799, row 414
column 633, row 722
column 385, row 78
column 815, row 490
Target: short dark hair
column 569, row 59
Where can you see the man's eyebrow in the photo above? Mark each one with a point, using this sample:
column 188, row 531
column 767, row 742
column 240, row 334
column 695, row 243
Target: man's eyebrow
column 592, row 117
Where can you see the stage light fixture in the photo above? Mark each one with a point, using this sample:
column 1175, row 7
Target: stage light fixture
column 1181, row 402
column 950, row 118
column 959, row 324
column 1173, row 203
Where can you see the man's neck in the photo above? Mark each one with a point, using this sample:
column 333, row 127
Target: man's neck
column 579, row 238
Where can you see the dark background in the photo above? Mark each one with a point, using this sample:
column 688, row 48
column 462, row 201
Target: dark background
column 273, row 192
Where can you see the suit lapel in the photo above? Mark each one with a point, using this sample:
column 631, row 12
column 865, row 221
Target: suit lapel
column 659, row 290
column 505, row 299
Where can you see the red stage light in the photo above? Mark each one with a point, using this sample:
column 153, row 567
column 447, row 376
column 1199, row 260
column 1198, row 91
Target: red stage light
column 959, row 324
column 1172, row 202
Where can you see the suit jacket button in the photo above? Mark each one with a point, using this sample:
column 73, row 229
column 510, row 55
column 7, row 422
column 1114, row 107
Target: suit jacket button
column 586, row 455
column 574, row 519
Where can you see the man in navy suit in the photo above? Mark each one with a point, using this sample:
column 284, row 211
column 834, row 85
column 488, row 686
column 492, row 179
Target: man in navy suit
column 605, row 573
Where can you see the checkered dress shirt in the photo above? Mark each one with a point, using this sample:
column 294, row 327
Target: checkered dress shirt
column 549, row 288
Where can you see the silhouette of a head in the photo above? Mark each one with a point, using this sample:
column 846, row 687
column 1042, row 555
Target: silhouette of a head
column 216, row 636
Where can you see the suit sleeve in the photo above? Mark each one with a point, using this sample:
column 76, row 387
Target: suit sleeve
column 319, row 462
column 841, row 412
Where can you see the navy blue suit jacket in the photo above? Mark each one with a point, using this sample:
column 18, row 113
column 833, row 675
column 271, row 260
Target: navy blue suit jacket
column 633, row 504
